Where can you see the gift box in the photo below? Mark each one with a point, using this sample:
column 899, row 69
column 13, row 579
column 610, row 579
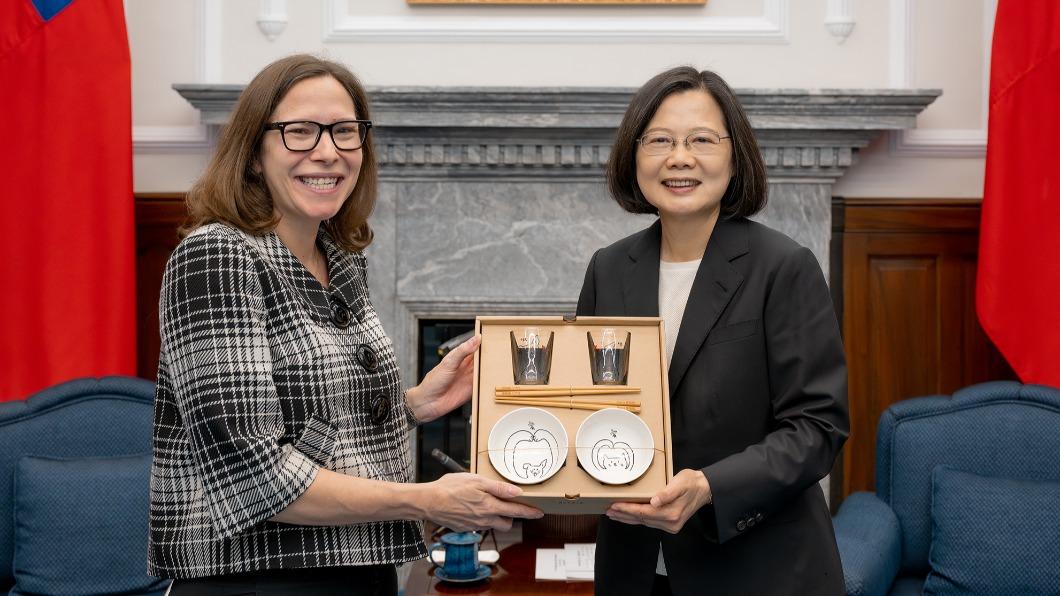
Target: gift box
column 553, row 371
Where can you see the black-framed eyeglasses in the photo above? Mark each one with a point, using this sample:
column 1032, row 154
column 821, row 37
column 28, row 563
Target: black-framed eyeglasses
column 700, row 142
column 303, row 135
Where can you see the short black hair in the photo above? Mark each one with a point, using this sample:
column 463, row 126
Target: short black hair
column 747, row 191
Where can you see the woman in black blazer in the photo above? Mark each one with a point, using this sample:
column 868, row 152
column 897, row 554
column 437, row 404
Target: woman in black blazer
column 756, row 368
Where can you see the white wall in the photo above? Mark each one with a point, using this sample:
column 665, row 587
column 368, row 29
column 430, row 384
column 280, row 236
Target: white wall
column 940, row 44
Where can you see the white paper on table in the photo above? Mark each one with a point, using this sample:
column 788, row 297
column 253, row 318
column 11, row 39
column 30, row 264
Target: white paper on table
column 581, row 560
column 551, row 563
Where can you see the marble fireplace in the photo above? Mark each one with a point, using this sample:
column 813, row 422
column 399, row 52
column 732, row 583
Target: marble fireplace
column 492, row 199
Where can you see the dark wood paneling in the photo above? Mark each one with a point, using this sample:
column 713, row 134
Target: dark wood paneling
column 907, row 274
column 158, row 216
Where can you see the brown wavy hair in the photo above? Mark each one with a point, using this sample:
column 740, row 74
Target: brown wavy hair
column 231, row 192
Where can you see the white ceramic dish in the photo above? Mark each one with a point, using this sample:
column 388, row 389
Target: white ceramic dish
column 527, row 445
column 614, row 446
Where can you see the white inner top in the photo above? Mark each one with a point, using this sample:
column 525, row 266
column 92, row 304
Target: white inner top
column 675, row 284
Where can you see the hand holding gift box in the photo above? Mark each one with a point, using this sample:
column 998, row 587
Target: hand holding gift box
column 599, row 410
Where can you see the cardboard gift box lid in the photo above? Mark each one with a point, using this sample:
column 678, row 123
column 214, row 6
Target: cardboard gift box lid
column 571, row 489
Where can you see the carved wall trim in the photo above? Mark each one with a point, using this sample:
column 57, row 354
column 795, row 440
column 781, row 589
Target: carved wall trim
column 839, row 19
column 272, row 18
column 171, row 139
column 192, row 138
column 950, row 142
column 341, row 26
column 458, row 132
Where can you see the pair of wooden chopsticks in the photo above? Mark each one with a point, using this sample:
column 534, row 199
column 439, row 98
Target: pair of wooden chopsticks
column 555, row 391
column 631, row 405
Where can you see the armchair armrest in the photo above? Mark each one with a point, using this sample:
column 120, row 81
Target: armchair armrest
column 870, row 544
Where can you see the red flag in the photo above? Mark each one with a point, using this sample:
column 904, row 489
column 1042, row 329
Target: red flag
column 67, row 252
column 1018, row 284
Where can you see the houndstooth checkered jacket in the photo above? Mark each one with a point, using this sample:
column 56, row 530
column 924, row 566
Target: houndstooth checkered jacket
column 259, row 387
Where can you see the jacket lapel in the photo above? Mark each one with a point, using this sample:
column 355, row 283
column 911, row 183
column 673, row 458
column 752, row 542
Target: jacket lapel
column 294, row 274
column 715, row 284
column 346, row 271
column 640, row 284
column 348, row 277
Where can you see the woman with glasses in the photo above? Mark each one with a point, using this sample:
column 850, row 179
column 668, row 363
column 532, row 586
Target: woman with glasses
column 280, row 430
column 757, row 374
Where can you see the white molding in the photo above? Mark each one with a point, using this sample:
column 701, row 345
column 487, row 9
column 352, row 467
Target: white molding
column 190, row 138
column 939, row 142
column 956, row 142
column 170, row 139
column 340, row 26
column 901, row 43
column 989, row 12
column 209, row 15
column 272, row 19
column 839, row 19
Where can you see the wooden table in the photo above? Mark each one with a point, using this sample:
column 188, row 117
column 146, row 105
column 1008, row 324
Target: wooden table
column 513, row 574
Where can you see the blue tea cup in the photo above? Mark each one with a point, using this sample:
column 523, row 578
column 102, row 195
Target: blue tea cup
column 461, row 554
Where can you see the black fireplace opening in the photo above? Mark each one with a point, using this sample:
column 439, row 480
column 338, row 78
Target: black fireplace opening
column 451, row 433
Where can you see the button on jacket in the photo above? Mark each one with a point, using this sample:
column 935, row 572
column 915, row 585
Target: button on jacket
column 758, row 402
column 263, row 381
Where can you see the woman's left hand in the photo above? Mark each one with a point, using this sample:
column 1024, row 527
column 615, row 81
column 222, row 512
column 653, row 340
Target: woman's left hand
column 671, row 507
column 447, row 386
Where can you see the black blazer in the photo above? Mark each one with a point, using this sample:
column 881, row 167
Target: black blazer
column 758, row 401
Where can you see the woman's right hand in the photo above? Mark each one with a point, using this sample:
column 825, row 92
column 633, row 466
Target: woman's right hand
column 465, row 502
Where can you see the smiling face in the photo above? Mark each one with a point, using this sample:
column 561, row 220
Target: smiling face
column 308, row 187
column 681, row 184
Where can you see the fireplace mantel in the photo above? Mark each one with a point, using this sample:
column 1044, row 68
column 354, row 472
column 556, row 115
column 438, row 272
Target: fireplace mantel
column 442, row 133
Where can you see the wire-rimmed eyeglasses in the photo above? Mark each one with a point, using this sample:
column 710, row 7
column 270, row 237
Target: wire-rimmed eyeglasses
column 700, row 142
column 303, row 135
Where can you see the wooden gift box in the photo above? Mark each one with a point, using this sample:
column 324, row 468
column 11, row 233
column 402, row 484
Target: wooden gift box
column 572, row 490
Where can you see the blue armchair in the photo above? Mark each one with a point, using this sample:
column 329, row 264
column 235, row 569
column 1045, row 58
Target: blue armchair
column 1004, row 439
column 75, row 464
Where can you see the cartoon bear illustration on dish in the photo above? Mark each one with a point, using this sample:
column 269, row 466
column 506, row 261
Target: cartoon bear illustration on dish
column 531, row 454
column 612, row 455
